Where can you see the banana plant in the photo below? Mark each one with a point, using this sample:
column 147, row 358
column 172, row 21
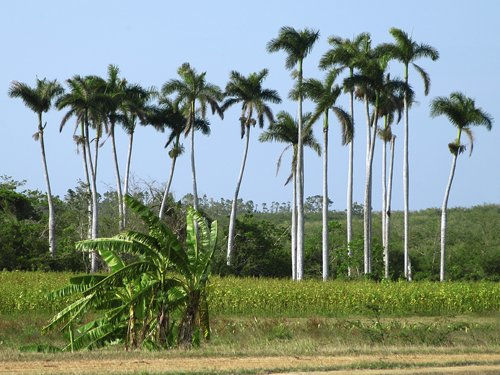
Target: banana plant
column 156, row 301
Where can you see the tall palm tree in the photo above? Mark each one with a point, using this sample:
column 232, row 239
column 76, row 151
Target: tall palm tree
column 133, row 108
column 253, row 98
column 463, row 114
column 86, row 100
column 190, row 89
column 39, row 99
column 297, row 44
column 286, row 130
column 406, row 50
column 373, row 86
column 346, row 53
column 325, row 95
column 115, row 90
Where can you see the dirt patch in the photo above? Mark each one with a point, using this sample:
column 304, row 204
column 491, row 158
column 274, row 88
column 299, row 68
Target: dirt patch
column 458, row 370
column 123, row 365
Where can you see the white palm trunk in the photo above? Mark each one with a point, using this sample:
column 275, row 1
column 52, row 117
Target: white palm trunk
column 167, row 189
column 193, row 169
column 127, row 176
column 444, row 212
column 118, row 180
column 232, row 218
column 384, row 184
column 367, row 213
column 300, row 190
column 406, row 204
column 388, row 211
column 325, row 200
column 349, row 188
column 52, row 223
column 366, row 216
column 294, row 226
column 87, row 179
column 93, row 190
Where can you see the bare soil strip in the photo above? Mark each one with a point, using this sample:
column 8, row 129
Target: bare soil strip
column 482, row 362
column 458, row 370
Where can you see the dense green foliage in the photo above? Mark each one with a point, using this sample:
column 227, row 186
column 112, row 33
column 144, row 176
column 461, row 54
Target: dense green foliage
column 156, row 300
column 262, row 235
column 27, row 291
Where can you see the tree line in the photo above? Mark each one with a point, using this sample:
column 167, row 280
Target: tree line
column 98, row 105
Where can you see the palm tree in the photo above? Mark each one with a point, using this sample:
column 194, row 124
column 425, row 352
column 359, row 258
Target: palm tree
column 168, row 116
column 115, row 90
column 286, row 130
column 39, row 99
column 134, row 107
column 297, row 45
column 347, row 53
column 86, row 101
column 406, row 50
column 373, row 86
column 462, row 113
column 191, row 88
column 325, row 95
column 253, row 98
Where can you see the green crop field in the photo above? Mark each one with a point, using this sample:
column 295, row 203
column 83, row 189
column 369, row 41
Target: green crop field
column 26, row 291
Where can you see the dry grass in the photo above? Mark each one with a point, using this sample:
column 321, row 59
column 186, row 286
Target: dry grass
column 125, row 364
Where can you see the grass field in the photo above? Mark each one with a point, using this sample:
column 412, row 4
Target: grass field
column 276, row 326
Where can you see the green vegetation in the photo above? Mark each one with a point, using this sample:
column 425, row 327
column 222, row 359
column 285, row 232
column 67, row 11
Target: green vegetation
column 262, row 241
column 230, row 296
column 156, row 300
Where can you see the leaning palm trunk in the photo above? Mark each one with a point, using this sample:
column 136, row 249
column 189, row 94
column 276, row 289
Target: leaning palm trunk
column 349, row 189
column 407, row 267
column 167, row 189
column 444, row 212
column 232, row 218
column 300, row 190
column 127, row 177
column 118, row 180
column 325, row 200
column 52, row 224
column 87, row 179
column 93, row 190
column 294, row 226
column 388, row 211
column 193, row 167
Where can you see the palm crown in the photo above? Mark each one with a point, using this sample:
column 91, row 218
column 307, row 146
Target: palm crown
column 325, row 95
column 286, row 130
column 39, row 98
column 192, row 87
column 462, row 113
column 297, row 44
column 249, row 92
column 345, row 53
column 406, row 50
column 85, row 100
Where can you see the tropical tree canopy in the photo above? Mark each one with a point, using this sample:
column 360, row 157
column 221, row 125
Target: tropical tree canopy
column 253, row 97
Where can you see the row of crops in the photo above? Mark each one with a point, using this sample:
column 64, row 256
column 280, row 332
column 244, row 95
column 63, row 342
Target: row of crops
column 26, row 291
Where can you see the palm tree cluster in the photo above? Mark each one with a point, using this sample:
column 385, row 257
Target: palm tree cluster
column 100, row 104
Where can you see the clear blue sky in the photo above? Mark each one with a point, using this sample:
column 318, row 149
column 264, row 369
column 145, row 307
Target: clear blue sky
column 148, row 40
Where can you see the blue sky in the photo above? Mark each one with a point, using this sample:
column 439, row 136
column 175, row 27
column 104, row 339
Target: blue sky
column 148, row 40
